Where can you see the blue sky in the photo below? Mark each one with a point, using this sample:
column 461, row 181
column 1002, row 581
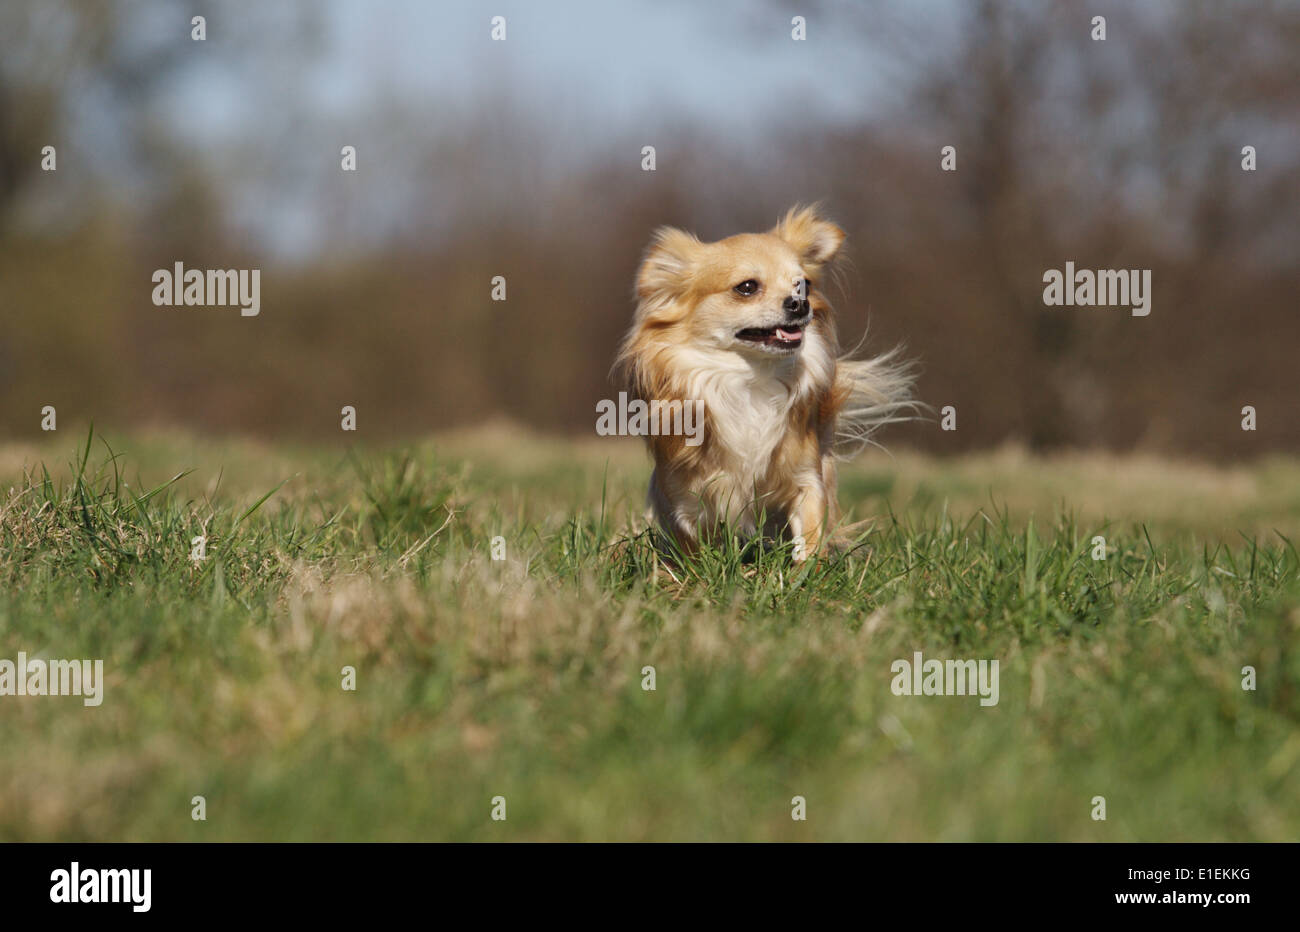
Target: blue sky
column 266, row 108
column 724, row 62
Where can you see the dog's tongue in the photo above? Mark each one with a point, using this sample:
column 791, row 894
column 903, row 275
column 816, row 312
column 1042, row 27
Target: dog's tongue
column 789, row 336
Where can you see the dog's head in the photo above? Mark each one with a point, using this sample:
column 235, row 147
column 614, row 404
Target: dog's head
column 754, row 294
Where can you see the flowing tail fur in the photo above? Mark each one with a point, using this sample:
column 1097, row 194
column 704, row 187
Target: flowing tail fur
column 876, row 392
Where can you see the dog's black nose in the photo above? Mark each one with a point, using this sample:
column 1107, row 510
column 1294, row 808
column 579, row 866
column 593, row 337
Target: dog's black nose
column 795, row 307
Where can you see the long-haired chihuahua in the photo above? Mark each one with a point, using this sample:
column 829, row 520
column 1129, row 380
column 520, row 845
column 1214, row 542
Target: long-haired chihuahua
column 742, row 324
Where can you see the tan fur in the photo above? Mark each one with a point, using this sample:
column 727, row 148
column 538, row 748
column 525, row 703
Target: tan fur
column 775, row 415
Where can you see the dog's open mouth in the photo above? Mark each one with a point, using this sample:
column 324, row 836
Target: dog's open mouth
column 787, row 337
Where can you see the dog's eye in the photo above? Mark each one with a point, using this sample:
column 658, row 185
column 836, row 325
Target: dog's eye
column 748, row 287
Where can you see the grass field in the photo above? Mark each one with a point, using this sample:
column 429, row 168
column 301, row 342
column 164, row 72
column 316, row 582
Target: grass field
column 522, row 678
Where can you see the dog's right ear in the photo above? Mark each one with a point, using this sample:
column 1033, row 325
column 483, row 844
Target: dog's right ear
column 667, row 264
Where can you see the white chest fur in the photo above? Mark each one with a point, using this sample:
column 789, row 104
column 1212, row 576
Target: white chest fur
column 748, row 403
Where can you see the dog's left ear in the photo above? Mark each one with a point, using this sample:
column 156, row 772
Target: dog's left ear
column 816, row 240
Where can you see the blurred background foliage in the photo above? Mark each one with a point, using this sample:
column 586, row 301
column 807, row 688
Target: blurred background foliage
column 523, row 159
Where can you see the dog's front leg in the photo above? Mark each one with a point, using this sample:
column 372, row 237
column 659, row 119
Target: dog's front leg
column 676, row 512
column 807, row 520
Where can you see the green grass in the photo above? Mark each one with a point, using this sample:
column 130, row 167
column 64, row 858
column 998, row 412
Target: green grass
column 522, row 678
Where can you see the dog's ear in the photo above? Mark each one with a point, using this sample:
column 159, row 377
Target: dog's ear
column 816, row 240
column 668, row 263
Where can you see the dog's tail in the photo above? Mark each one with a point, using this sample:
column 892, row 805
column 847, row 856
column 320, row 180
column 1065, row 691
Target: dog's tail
column 876, row 392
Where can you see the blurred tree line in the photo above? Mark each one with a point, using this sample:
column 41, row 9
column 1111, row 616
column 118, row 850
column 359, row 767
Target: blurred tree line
column 1119, row 154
